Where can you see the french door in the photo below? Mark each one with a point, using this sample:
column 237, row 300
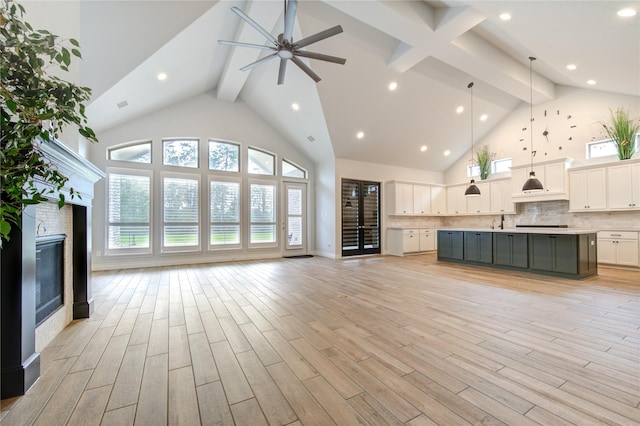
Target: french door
column 360, row 217
column 295, row 221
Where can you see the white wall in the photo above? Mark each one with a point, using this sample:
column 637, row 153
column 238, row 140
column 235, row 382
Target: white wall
column 326, row 210
column 201, row 117
column 588, row 109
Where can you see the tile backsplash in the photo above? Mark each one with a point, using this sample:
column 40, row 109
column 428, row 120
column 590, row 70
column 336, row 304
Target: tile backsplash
column 540, row 213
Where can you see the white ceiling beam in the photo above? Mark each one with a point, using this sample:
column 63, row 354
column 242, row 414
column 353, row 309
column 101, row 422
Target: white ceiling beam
column 232, row 80
column 445, row 33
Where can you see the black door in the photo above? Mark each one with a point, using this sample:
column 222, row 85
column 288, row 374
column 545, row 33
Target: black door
column 360, row 217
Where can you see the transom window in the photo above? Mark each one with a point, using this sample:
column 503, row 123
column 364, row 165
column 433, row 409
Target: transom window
column 261, row 162
column 606, row 148
column 136, row 152
column 497, row 166
column 180, row 152
column 291, row 170
column 224, row 156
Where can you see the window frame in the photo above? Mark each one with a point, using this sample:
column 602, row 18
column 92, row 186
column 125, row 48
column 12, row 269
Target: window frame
column 276, row 207
column 180, row 249
column 590, row 144
column 185, row 139
column 222, row 141
column 475, row 168
column 129, row 145
column 294, row 165
column 107, row 223
column 218, row 247
column 263, row 151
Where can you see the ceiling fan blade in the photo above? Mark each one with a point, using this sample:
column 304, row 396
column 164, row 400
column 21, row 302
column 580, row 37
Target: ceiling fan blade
column 258, row 62
column 306, row 69
column 281, row 72
column 289, row 18
column 255, row 25
column 317, row 37
column 255, row 46
column 320, row 56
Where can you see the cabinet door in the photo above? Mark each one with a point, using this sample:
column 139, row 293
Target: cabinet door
column 554, row 177
column 477, row 247
column 606, row 251
column 421, row 200
column 565, row 253
column 596, row 189
column 635, row 186
column 427, row 240
column 482, row 203
column 540, row 252
column 438, row 200
column 405, row 192
column 502, row 249
column 620, row 187
column 450, row 245
column 500, row 201
column 578, row 190
column 627, row 252
column 519, row 250
column 410, row 241
column 456, row 200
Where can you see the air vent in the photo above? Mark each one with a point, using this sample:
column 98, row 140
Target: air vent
column 311, row 138
column 123, row 104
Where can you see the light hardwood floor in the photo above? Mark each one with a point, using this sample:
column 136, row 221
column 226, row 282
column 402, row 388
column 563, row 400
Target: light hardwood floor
column 380, row 340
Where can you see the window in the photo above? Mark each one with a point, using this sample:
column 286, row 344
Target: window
column 497, row 166
column 180, row 152
column 224, row 213
column 291, row 170
column 180, row 213
column 224, row 156
column 606, row 148
column 129, row 201
column 137, row 152
column 261, row 162
column 263, row 213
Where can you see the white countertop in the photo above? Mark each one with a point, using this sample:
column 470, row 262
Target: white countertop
column 564, row 231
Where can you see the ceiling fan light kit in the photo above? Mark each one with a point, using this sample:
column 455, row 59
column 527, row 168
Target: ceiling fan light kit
column 532, row 183
column 284, row 47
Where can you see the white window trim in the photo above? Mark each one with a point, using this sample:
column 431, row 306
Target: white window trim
column 476, row 168
column 128, row 251
column 264, row 151
column 198, row 160
column 130, row 144
column 243, row 231
column 589, row 144
column 274, row 183
column 306, row 172
column 181, row 249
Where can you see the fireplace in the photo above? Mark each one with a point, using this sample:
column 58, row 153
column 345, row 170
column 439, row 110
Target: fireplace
column 49, row 275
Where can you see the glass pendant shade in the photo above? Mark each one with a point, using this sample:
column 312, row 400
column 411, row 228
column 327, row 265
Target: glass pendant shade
column 473, row 189
column 532, row 184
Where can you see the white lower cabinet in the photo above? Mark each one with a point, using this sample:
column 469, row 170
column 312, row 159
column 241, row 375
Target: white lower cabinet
column 405, row 241
column 618, row 248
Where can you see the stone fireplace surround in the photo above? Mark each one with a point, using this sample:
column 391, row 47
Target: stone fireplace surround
column 19, row 361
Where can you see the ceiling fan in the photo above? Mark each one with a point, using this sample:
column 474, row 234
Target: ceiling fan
column 284, row 47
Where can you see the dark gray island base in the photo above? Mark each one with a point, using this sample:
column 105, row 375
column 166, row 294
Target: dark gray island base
column 568, row 253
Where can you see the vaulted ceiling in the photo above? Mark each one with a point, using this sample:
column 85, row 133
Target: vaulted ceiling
column 432, row 49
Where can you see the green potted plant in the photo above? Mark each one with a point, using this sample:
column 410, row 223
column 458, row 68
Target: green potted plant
column 483, row 159
column 622, row 129
column 30, row 96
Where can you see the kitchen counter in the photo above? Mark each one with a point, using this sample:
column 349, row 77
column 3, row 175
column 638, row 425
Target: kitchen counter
column 561, row 252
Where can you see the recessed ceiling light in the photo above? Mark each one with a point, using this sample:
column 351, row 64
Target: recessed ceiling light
column 591, row 82
column 393, row 86
column 572, row 67
column 460, row 109
column 360, row 135
column 423, row 148
column 484, row 117
column 162, row 76
column 447, row 153
column 627, row 13
column 295, row 106
column 505, row 16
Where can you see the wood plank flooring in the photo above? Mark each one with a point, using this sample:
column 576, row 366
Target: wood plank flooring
column 314, row 341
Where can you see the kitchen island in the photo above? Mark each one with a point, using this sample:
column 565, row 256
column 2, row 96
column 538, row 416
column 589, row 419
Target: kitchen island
column 561, row 252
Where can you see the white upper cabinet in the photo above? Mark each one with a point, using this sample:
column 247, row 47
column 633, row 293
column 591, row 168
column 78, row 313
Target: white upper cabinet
column 588, row 190
column 421, row 199
column 456, row 200
column 480, row 204
column 501, row 197
column 552, row 174
column 438, row 201
column 400, row 198
column 623, row 186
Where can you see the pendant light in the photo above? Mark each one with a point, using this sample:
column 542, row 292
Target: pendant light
column 472, row 190
column 532, row 183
